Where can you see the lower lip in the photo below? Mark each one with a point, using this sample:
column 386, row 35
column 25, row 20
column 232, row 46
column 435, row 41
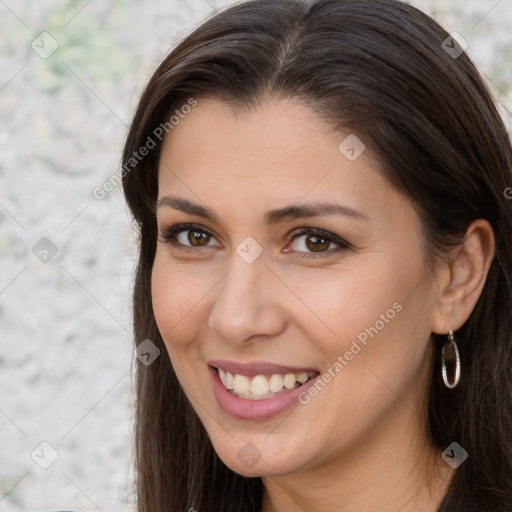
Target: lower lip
column 244, row 409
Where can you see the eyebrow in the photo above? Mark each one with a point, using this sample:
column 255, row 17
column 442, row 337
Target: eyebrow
column 271, row 217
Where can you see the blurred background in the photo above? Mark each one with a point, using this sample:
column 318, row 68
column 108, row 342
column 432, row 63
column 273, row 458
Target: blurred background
column 71, row 72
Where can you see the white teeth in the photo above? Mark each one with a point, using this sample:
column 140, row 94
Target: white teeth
column 241, row 384
column 276, row 383
column 289, row 380
column 302, row 377
column 229, row 380
column 259, row 387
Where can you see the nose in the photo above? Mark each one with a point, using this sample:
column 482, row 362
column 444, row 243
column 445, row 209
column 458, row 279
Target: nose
column 247, row 306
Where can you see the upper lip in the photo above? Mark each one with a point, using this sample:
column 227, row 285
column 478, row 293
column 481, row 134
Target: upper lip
column 258, row 368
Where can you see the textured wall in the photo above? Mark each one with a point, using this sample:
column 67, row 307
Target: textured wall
column 66, row 256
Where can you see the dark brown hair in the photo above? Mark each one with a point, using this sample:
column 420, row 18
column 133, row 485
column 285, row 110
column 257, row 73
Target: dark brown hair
column 380, row 69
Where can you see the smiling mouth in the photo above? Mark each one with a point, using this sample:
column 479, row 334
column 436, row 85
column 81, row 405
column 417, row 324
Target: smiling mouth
column 261, row 387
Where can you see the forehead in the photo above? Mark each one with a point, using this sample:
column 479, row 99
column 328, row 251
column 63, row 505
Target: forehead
column 282, row 137
column 279, row 152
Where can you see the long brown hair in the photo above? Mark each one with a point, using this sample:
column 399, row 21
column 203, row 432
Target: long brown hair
column 382, row 69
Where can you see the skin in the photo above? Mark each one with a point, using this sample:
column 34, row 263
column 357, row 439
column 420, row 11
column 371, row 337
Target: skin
column 360, row 444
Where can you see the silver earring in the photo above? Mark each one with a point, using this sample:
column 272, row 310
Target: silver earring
column 451, row 340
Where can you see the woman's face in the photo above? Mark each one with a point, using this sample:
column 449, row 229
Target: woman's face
column 265, row 297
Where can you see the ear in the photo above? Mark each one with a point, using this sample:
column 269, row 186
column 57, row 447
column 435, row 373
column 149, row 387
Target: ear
column 461, row 282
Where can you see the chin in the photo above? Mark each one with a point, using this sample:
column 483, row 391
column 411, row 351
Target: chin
column 256, row 459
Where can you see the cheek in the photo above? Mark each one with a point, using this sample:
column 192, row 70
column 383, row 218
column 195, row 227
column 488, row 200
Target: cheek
column 343, row 303
column 176, row 298
column 376, row 318
column 384, row 354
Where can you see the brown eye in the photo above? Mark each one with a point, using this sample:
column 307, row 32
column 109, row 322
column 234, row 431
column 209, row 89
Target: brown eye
column 188, row 236
column 313, row 241
column 316, row 243
column 197, row 238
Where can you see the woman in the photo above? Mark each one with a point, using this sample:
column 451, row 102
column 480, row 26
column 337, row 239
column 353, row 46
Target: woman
column 325, row 263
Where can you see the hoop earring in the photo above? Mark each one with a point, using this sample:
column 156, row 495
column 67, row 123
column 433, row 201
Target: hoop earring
column 451, row 340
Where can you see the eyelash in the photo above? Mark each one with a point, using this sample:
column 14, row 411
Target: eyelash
column 170, row 237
